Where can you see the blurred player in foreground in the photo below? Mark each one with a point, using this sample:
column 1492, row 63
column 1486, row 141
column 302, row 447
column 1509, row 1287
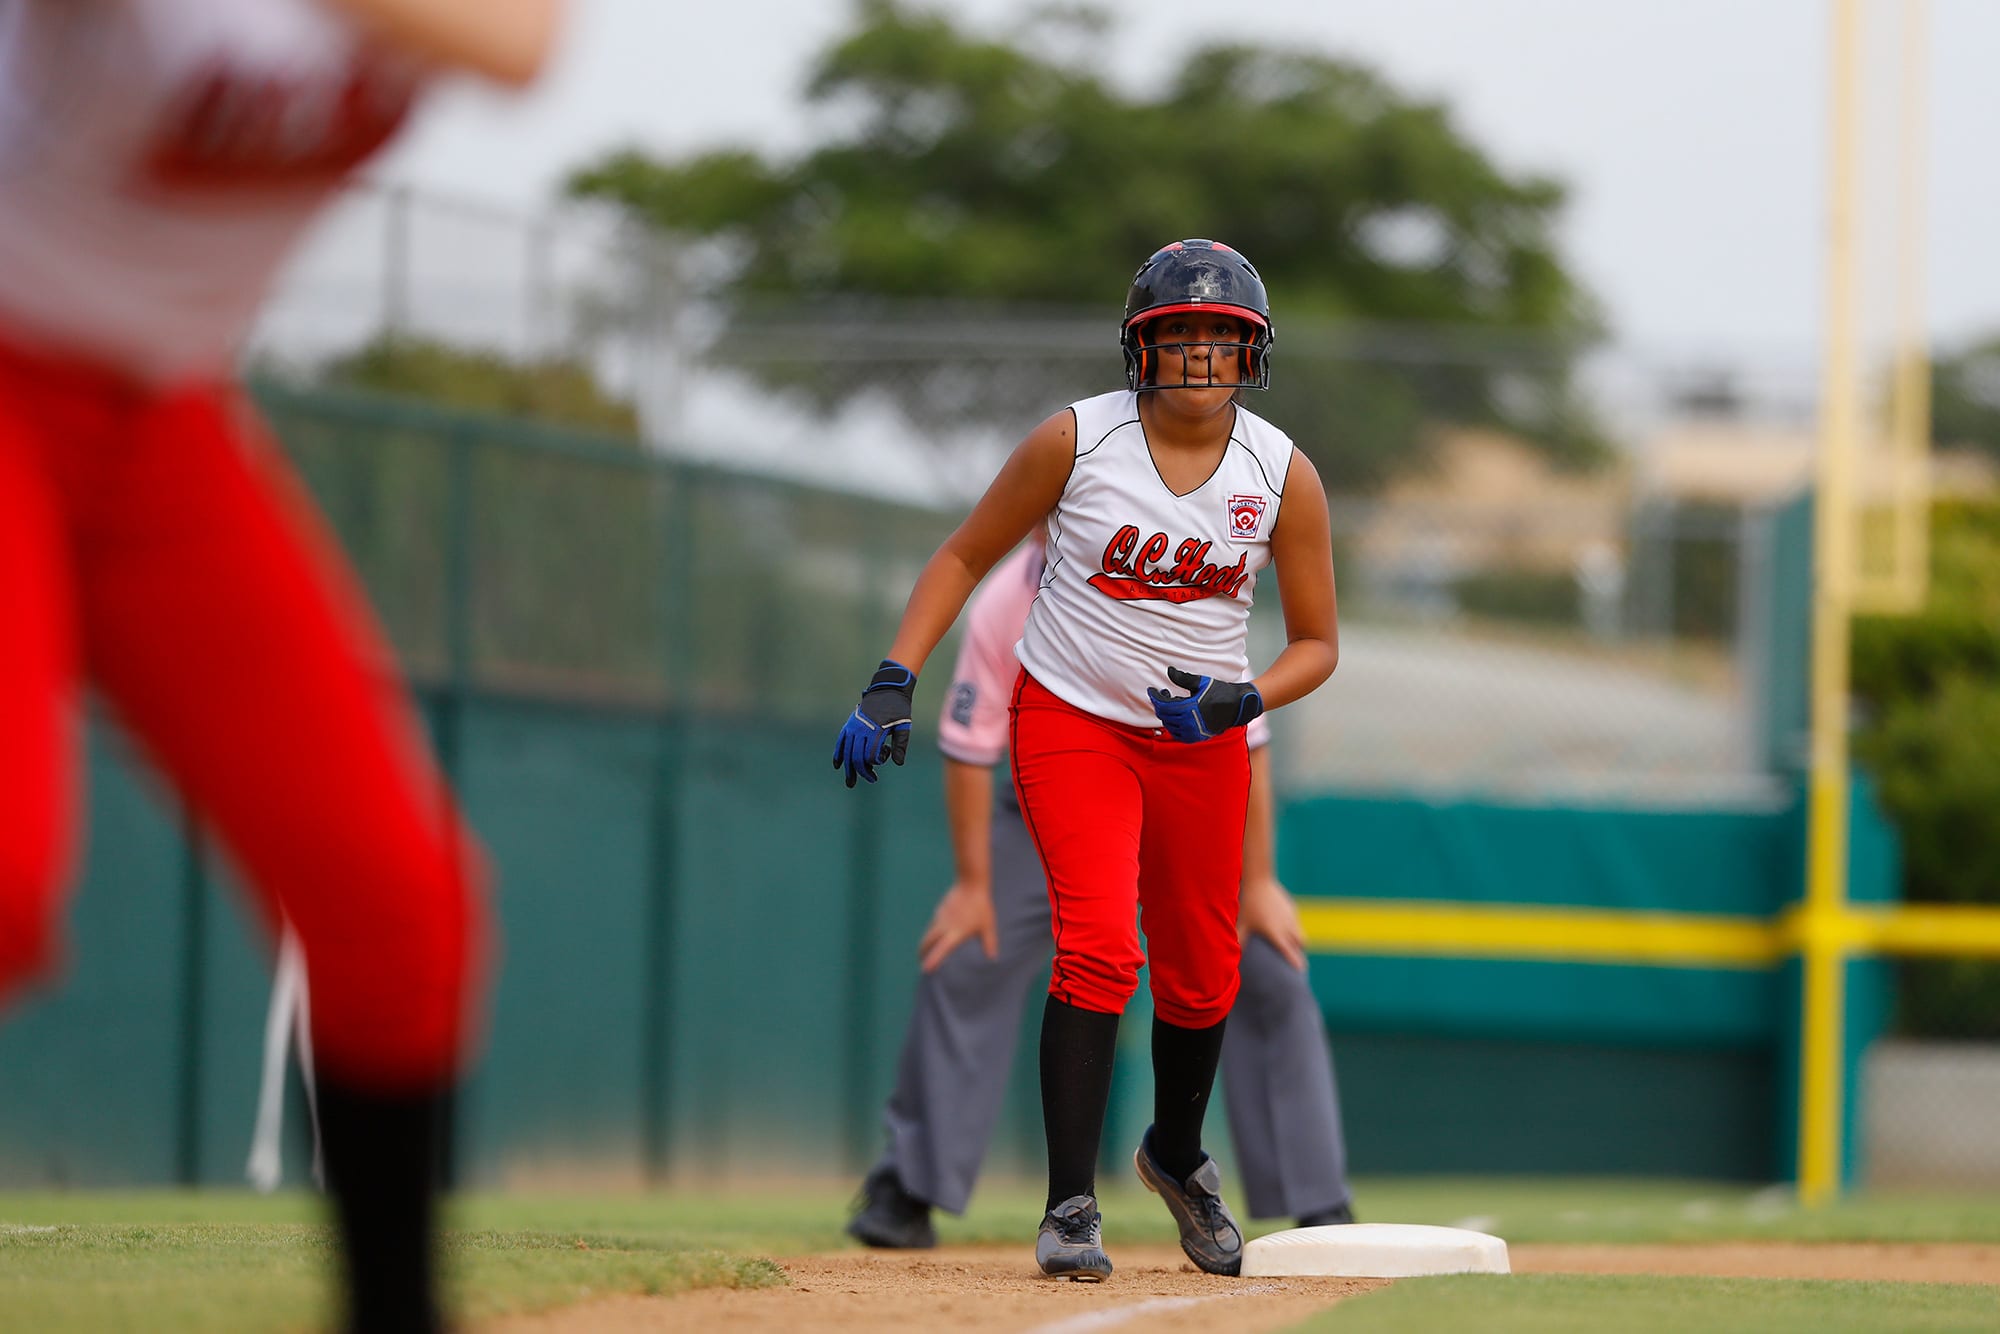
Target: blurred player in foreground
column 158, row 160
column 989, row 941
column 1160, row 504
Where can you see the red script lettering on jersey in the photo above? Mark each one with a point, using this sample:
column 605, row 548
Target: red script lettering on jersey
column 1131, row 571
column 235, row 130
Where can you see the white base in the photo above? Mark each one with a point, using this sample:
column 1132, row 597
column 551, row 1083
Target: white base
column 1374, row 1250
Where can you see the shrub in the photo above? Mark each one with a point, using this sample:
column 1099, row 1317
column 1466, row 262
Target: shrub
column 1930, row 687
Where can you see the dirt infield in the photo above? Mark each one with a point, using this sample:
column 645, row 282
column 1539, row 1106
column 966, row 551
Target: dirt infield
column 982, row 1288
column 997, row 1289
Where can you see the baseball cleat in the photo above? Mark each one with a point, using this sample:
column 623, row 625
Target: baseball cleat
column 887, row 1216
column 1071, row 1242
column 1209, row 1234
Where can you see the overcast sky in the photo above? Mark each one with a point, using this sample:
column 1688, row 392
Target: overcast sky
column 1690, row 131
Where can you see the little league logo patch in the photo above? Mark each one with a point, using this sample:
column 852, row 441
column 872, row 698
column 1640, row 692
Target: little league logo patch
column 1246, row 516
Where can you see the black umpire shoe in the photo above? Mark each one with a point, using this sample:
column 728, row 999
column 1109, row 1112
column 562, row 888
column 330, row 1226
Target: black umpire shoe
column 1340, row 1213
column 888, row 1216
column 1071, row 1242
column 1209, row 1234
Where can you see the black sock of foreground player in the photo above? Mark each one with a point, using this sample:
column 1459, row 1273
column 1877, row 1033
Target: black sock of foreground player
column 384, row 1154
column 1184, row 1061
column 1077, row 1049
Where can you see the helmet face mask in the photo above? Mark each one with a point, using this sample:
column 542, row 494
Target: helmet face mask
column 1197, row 278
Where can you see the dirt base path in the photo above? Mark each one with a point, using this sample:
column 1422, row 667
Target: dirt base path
column 997, row 1290
column 985, row 1288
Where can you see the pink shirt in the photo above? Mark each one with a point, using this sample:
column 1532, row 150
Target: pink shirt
column 973, row 727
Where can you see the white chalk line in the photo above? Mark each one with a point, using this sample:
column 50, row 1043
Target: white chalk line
column 1118, row 1315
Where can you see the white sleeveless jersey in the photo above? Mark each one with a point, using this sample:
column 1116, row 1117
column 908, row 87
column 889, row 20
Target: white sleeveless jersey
column 1139, row 579
column 159, row 158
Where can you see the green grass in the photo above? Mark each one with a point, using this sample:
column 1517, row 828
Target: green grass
column 173, row 1274
column 212, row 1260
column 1562, row 1304
column 1557, row 1210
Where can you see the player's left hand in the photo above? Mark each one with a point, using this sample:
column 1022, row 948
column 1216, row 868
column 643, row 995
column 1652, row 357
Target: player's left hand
column 1209, row 709
column 1266, row 910
column 879, row 728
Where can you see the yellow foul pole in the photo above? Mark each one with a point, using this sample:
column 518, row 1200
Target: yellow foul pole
column 1822, row 956
column 1910, row 394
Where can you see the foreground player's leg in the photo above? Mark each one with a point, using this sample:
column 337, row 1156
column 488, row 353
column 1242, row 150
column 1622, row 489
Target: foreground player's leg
column 227, row 632
column 1284, row 1106
column 384, row 1158
column 38, row 689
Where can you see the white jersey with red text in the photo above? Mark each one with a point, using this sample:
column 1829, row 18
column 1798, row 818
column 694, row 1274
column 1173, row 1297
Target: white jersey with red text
column 159, row 159
column 973, row 726
column 1139, row 579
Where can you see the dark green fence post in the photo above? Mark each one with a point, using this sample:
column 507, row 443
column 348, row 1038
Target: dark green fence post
column 864, row 909
column 676, row 509
column 458, row 599
column 194, row 982
column 458, row 612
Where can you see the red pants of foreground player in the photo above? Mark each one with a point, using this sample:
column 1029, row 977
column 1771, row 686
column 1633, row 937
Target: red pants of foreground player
column 1127, row 817
column 152, row 544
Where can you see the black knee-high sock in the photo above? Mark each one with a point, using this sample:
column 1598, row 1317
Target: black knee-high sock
column 384, row 1158
column 1077, row 1050
column 1184, row 1061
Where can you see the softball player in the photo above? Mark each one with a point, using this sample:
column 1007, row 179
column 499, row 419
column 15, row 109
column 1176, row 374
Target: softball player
column 989, row 941
column 1160, row 505
column 158, row 159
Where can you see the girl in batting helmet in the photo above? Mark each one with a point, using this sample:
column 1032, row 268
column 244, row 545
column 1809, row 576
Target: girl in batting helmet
column 1160, row 504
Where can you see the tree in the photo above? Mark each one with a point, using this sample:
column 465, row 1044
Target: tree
column 1931, row 737
column 1965, row 397
column 557, row 390
column 962, row 168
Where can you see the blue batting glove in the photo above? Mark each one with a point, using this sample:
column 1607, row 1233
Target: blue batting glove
column 879, row 728
column 1209, row 709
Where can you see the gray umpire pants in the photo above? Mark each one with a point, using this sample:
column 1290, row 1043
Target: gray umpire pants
column 1277, row 1071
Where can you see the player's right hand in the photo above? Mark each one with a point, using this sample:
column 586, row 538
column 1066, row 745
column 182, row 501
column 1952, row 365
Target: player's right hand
column 879, row 727
column 965, row 911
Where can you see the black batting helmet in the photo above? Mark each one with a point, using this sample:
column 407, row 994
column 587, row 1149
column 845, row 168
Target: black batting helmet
column 1198, row 275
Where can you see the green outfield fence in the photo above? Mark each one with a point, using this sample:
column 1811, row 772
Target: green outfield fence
column 633, row 669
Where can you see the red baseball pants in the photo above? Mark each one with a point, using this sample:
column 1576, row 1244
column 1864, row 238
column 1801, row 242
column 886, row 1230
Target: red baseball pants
column 1127, row 817
column 153, row 543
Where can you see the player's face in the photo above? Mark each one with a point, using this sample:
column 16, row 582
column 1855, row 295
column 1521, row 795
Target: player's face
column 1186, row 352
column 1190, row 363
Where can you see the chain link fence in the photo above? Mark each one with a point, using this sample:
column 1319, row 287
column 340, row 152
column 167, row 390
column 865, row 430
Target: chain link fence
column 1521, row 616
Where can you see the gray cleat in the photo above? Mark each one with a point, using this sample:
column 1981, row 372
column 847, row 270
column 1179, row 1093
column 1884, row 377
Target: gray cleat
column 1071, row 1242
column 1209, row 1234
